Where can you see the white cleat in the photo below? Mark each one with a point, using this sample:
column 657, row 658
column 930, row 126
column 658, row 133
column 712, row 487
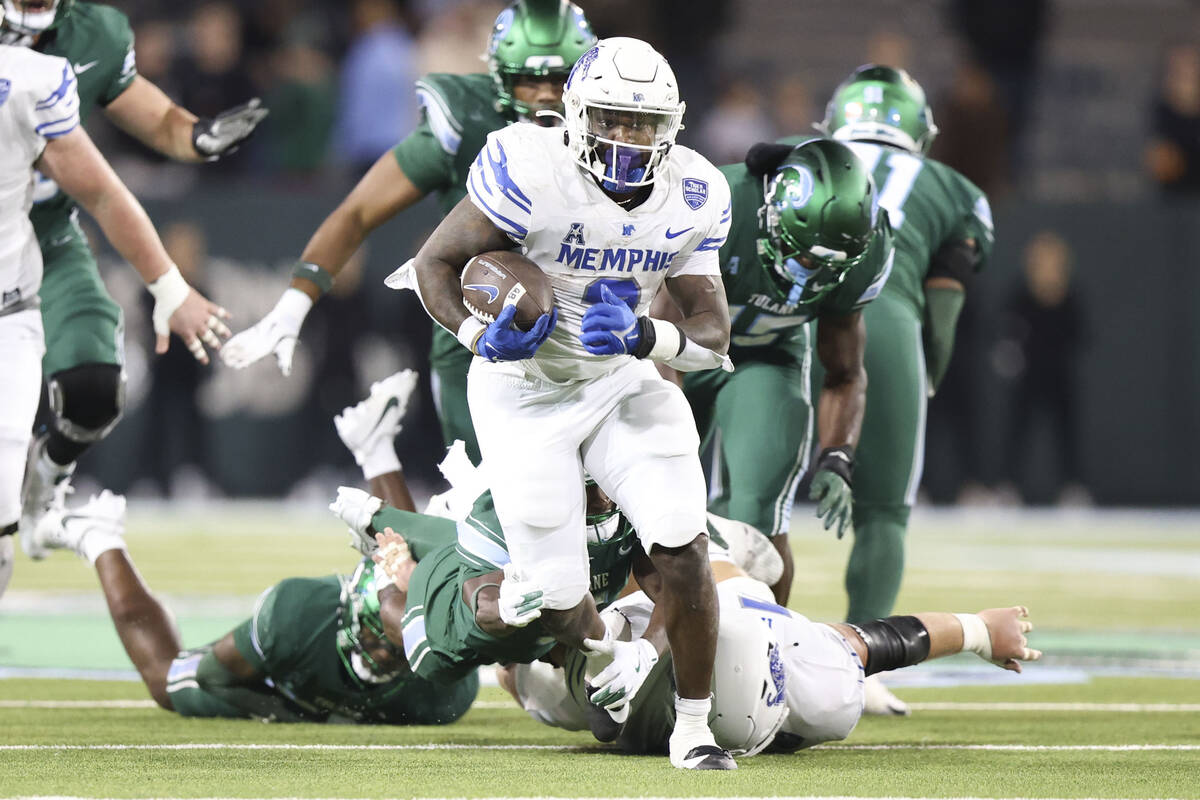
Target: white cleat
column 96, row 526
column 879, row 701
column 44, row 491
column 362, row 427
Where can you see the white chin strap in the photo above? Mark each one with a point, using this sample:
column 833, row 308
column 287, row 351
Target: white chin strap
column 30, row 23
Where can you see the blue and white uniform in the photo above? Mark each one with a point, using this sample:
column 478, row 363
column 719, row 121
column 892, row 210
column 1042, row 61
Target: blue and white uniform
column 38, row 102
column 541, row 422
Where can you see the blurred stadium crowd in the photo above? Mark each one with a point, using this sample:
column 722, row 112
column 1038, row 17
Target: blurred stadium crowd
column 1066, row 112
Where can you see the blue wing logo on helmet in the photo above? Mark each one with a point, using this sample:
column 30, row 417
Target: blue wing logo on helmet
column 778, row 678
column 580, row 70
column 695, row 192
column 5, row 87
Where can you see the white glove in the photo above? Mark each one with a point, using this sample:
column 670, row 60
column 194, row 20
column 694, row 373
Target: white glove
column 276, row 333
column 520, row 601
column 616, row 685
column 356, row 508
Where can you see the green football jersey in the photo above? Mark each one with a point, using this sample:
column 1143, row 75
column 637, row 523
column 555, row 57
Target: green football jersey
column 292, row 639
column 457, row 114
column 98, row 42
column 928, row 204
column 759, row 316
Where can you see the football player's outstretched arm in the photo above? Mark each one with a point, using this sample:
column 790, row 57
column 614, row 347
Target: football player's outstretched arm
column 950, row 270
column 146, row 113
column 77, row 166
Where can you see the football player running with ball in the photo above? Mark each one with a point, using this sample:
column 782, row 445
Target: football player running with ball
column 610, row 211
column 942, row 225
column 533, row 45
column 84, row 359
column 817, row 246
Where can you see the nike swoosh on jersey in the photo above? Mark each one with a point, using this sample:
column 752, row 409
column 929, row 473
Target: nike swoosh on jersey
column 85, row 67
column 492, row 291
column 673, row 234
column 624, row 551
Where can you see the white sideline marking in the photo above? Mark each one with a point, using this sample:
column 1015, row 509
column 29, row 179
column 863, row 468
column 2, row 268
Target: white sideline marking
column 508, row 704
column 1015, row 748
column 724, row 797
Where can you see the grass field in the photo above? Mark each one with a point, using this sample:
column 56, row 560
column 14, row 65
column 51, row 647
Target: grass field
column 1113, row 711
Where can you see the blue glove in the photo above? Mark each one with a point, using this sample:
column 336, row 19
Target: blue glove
column 610, row 326
column 503, row 341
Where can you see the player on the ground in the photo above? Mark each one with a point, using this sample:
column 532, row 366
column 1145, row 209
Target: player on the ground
column 314, row 650
column 39, row 125
column 815, row 245
column 84, row 358
column 782, row 683
column 531, row 50
column 610, row 212
column 942, row 225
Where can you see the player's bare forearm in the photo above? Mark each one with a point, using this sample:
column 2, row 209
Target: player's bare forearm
column 393, row 490
column 463, row 234
column 382, row 193
column 704, row 308
column 76, row 165
column 841, row 341
column 147, row 114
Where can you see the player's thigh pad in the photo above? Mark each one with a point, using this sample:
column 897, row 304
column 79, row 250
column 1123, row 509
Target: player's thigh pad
column 891, row 451
column 21, row 350
column 84, row 325
column 529, row 434
column 644, row 455
column 545, row 696
column 824, row 681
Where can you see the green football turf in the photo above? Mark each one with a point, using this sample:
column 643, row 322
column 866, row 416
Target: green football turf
column 1110, row 594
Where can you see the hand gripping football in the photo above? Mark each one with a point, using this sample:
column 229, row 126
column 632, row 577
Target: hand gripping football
column 491, row 281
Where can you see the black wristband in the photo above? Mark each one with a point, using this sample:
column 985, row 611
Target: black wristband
column 839, row 461
column 646, row 338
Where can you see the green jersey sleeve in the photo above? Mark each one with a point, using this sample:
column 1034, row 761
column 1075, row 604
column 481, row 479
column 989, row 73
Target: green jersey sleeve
column 975, row 216
column 867, row 278
column 286, row 618
column 118, row 80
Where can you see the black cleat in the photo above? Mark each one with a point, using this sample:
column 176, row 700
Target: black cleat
column 706, row 756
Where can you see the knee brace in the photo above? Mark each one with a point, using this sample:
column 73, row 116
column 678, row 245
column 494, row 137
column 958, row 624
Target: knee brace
column 87, row 401
column 893, row 643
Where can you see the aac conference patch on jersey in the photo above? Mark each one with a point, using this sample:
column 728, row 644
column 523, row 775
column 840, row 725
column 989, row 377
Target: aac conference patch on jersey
column 5, row 88
column 695, row 192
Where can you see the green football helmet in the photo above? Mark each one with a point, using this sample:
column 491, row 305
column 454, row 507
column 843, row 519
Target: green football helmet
column 881, row 104
column 535, row 38
column 360, row 628
column 818, row 219
column 24, row 20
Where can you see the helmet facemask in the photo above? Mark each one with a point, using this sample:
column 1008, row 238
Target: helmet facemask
column 361, row 629
column 601, row 515
column 25, row 20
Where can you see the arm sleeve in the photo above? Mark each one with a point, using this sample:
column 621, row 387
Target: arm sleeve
column 703, row 254
column 122, row 42
column 497, row 183
column 422, row 532
column 56, row 104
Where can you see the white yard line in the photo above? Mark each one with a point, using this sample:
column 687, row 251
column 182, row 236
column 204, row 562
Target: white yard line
column 1013, row 748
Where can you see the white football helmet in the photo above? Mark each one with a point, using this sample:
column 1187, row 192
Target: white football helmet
column 622, row 112
column 749, row 684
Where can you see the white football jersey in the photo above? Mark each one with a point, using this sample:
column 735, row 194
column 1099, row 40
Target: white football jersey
column 38, row 102
column 527, row 183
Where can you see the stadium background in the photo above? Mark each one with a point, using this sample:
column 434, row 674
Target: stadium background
column 1049, row 106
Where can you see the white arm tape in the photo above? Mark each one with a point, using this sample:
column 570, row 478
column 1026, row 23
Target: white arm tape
column 666, row 340
column 976, row 638
column 695, row 358
column 169, row 291
column 468, row 333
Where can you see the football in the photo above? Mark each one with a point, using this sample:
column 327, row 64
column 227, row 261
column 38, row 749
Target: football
column 491, row 281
